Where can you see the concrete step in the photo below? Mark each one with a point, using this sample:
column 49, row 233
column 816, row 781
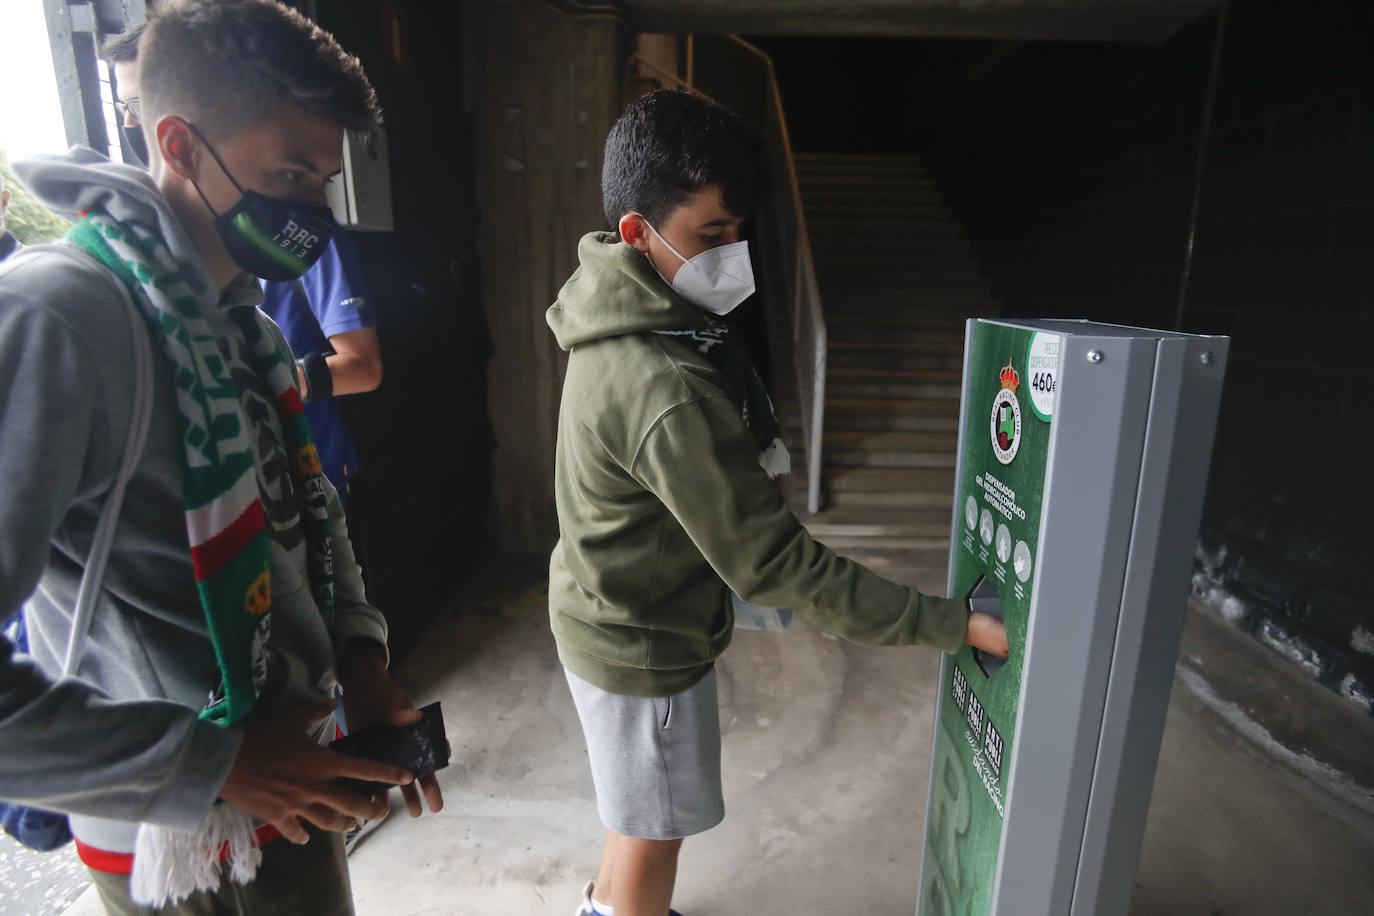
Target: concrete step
column 856, row 523
column 936, row 481
column 839, row 407
column 842, row 543
column 863, row 374
column 890, row 323
column 945, row 421
column 901, row 319
column 844, row 457
column 872, row 440
column 846, row 388
column 861, row 357
column 874, row 448
column 879, row 499
column 927, row 570
column 910, row 308
column 924, row 346
column 855, row 330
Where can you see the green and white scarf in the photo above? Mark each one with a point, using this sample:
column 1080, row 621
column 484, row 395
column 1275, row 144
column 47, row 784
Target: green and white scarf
column 225, row 519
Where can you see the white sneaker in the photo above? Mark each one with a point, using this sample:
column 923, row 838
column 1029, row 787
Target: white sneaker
column 585, row 908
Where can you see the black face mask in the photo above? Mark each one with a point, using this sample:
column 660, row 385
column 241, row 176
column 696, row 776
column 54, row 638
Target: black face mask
column 270, row 237
column 137, row 143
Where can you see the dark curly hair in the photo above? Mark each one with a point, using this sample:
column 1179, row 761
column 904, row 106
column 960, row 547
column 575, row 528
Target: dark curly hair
column 223, row 63
column 670, row 143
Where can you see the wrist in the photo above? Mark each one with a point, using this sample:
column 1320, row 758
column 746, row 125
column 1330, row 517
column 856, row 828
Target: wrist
column 319, row 383
column 362, row 658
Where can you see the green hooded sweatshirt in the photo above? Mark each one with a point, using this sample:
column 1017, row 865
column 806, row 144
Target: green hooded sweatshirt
column 663, row 508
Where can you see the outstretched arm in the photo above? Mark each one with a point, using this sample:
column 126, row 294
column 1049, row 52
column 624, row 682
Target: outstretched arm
column 702, row 463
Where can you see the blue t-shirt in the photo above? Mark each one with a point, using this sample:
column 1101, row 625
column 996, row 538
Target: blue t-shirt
column 330, row 299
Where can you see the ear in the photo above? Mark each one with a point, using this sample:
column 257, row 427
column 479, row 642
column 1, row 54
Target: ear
column 4, row 199
column 175, row 143
column 634, row 231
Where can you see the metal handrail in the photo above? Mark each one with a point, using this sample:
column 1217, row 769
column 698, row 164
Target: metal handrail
column 799, row 271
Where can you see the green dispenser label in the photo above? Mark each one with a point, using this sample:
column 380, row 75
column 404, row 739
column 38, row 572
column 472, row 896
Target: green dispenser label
column 1006, row 436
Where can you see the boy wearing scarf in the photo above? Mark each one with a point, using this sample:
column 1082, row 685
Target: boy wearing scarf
column 667, row 444
column 187, row 748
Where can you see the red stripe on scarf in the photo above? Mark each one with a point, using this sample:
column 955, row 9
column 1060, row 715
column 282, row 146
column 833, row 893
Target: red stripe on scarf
column 122, row 863
column 289, row 403
column 212, row 556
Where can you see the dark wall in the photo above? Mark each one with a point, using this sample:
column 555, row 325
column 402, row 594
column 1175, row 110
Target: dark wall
column 423, row 437
column 1074, row 170
column 1072, row 167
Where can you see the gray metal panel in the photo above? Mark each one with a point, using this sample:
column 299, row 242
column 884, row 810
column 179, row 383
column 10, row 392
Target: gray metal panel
column 969, row 327
column 78, row 77
column 1087, row 510
column 1097, row 329
column 1173, row 478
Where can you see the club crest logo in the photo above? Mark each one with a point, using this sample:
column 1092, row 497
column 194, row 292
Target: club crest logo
column 1006, row 417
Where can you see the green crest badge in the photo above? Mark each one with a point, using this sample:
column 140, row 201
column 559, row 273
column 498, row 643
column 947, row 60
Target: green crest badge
column 1006, row 417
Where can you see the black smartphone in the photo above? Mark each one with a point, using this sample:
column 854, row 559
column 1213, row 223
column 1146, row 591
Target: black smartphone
column 421, row 748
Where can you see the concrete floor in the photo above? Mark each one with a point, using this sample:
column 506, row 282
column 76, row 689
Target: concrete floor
column 826, row 753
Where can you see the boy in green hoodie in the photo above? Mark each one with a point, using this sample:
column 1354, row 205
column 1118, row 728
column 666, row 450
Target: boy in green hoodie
column 666, row 446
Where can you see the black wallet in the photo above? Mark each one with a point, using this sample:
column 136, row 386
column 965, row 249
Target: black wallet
column 421, row 748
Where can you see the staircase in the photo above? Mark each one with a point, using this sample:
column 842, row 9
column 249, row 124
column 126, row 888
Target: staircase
column 896, row 283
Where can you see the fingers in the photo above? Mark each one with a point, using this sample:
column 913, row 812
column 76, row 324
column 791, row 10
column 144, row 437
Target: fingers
column 351, row 804
column 364, row 769
column 433, row 797
column 426, row 788
column 327, row 818
column 412, row 797
column 404, row 716
column 291, row 828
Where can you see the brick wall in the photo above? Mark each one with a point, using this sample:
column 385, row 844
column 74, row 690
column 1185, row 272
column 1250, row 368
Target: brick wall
column 1073, row 167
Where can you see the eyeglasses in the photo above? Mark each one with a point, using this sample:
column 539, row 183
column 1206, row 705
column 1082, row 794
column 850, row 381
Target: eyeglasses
column 132, row 108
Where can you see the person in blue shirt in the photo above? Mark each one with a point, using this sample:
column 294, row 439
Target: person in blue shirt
column 328, row 320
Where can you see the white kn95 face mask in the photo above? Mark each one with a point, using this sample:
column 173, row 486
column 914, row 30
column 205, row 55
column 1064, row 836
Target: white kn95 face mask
column 716, row 280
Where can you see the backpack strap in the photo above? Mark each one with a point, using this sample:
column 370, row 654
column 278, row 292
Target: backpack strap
column 139, row 421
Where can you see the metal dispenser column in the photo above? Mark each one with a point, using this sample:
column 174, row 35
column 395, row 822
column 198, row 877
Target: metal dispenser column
column 1083, row 458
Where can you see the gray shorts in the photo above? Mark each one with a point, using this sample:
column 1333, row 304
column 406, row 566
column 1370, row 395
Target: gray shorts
column 655, row 761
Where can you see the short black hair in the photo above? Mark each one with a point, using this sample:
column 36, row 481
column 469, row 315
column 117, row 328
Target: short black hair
column 670, row 143
column 222, row 63
column 123, row 48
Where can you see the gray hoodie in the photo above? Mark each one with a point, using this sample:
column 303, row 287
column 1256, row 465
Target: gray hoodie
column 121, row 743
